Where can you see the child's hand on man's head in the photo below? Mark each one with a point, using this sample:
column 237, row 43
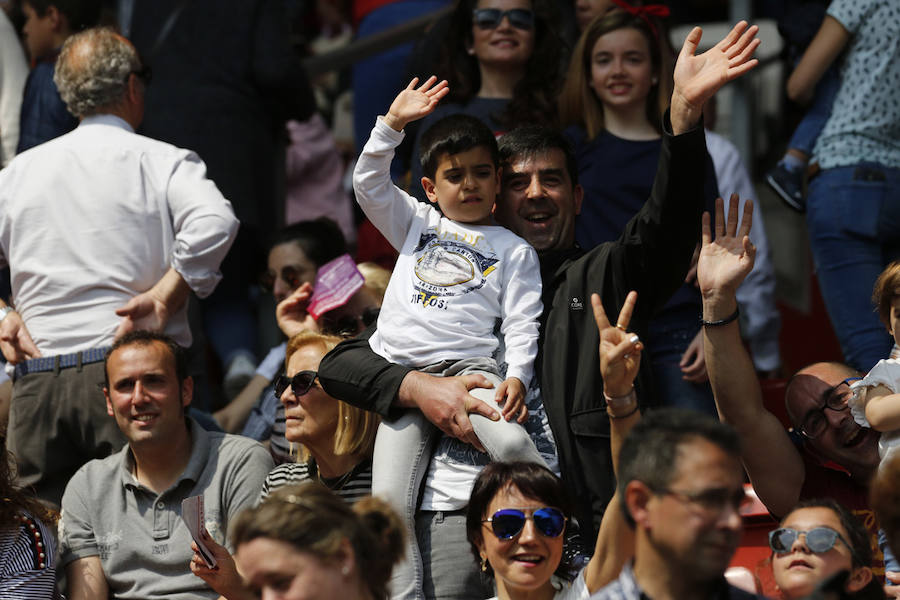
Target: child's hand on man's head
column 415, row 102
column 511, row 397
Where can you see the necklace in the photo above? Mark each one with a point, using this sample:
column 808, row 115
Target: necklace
column 334, row 483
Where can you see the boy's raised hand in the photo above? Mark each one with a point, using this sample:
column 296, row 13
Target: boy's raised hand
column 415, row 102
column 511, row 396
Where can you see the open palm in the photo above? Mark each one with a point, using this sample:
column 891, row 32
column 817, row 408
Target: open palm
column 726, row 260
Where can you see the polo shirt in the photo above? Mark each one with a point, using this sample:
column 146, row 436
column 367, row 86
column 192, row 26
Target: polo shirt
column 143, row 544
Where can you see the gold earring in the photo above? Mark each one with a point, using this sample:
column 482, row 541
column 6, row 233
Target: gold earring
column 483, row 564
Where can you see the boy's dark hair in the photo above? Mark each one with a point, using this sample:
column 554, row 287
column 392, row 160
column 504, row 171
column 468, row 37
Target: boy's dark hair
column 452, row 135
column 650, row 452
column 531, row 140
column 80, row 14
column 145, row 338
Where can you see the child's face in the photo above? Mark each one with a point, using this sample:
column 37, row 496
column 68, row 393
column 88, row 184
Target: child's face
column 39, row 31
column 621, row 69
column 895, row 318
column 465, row 186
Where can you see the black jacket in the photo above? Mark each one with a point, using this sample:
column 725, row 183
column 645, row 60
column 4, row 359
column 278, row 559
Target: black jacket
column 652, row 257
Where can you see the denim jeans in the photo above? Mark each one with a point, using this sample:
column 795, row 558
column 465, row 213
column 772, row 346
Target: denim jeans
column 669, row 336
column 809, row 128
column 403, row 450
column 451, row 571
column 853, row 215
column 890, row 561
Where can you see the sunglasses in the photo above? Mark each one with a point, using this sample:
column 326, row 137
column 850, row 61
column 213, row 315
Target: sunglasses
column 348, row 325
column 815, row 423
column 300, row 383
column 818, row 539
column 490, row 18
column 507, row 523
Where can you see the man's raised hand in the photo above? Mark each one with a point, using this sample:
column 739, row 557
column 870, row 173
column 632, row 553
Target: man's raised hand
column 620, row 351
column 726, row 260
column 698, row 77
column 415, row 102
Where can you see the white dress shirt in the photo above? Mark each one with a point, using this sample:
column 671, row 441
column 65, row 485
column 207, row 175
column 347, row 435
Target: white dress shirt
column 13, row 73
column 92, row 218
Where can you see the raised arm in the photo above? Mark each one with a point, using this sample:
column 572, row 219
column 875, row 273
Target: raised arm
column 773, row 463
column 620, row 357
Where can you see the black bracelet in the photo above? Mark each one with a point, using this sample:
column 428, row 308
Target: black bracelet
column 732, row 317
column 625, row 416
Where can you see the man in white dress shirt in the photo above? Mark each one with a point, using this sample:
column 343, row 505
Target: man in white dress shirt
column 104, row 231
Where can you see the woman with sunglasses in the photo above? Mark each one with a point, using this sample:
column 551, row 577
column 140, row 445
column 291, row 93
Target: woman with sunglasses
column 502, row 60
column 817, row 540
column 518, row 512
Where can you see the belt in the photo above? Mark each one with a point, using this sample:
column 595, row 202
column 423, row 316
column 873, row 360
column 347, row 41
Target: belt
column 62, row 361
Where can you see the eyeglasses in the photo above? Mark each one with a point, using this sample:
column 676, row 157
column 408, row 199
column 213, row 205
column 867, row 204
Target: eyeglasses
column 490, row 18
column 289, row 275
column 815, row 422
column 300, row 383
column 348, row 325
column 818, row 539
column 507, row 523
column 713, row 500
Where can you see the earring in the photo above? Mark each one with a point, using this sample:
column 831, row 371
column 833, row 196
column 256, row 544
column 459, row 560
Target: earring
column 345, row 570
column 483, row 564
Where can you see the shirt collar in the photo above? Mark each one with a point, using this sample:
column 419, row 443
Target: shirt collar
column 631, row 589
column 200, row 445
column 107, row 119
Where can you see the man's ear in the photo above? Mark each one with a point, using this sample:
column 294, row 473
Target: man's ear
column 578, row 195
column 637, row 497
column 56, row 17
column 187, row 391
column 859, row 578
column 109, row 408
column 428, row 186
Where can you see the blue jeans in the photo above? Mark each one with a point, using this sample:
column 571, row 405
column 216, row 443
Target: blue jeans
column 403, row 450
column 450, row 569
column 669, row 336
column 853, row 215
column 890, row 561
column 809, row 128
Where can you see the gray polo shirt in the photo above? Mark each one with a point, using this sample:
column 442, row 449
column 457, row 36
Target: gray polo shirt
column 142, row 542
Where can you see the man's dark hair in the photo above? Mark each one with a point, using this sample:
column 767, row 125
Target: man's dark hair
column 80, row 14
column 533, row 140
column 857, row 534
column 145, row 338
column 532, row 480
column 650, row 452
column 454, row 134
column 320, row 239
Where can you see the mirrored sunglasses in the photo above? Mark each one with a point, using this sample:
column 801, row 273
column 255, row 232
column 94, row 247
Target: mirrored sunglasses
column 490, row 18
column 818, row 539
column 507, row 523
column 299, row 383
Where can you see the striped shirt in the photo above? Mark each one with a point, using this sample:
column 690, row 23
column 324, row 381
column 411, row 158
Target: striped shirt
column 21, row 575
column 351, row 486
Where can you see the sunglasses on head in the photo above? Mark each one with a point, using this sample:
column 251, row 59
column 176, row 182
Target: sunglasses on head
column 490, row 18
column 818, row 539
column 507, row 523
column 300, row 383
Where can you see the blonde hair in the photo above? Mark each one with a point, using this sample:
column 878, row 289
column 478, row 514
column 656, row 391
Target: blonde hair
column 355, row 430
column 313, row 519
column 377, row 278
column 578, row 103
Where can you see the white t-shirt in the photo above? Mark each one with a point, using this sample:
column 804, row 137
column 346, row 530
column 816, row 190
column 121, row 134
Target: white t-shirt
column 886, row 373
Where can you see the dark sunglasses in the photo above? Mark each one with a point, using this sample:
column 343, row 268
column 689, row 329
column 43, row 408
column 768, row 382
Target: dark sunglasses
column 348, row 325
column 507, row 523
column 818, row 539
column 300, row 383
column 490, row 18
column 289, row 275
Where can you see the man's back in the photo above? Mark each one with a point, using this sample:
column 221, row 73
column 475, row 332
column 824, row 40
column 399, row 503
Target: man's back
column 91, row 219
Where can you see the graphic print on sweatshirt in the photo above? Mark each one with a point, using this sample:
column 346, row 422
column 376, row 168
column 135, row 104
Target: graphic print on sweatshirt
column 450, row 264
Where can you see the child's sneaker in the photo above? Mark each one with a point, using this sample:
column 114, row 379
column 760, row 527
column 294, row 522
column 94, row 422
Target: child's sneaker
column 788, row 184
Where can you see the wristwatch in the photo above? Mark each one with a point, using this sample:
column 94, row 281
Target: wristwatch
column 5, row 311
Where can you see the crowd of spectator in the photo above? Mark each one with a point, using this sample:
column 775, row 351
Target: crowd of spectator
column 526, row 364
